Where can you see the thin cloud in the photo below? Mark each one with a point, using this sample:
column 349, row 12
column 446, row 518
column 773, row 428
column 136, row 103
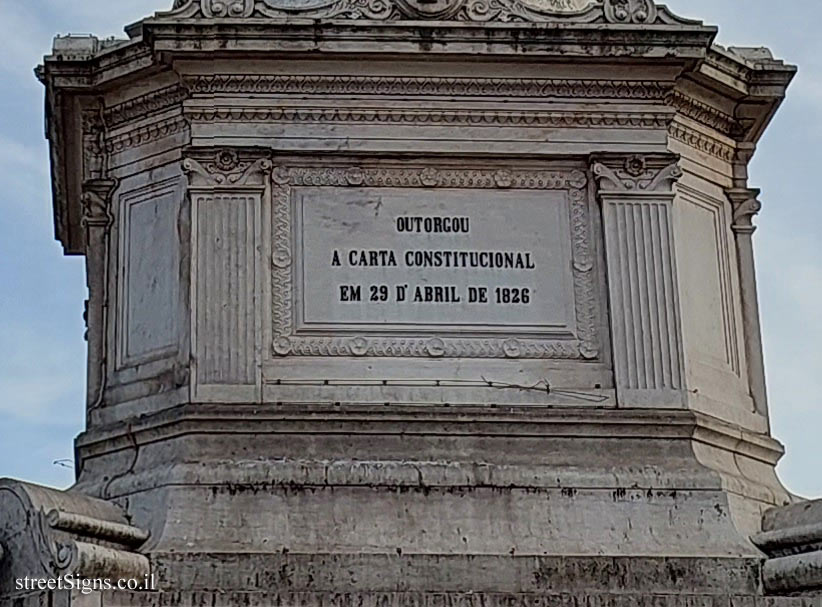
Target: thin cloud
column 38, row 377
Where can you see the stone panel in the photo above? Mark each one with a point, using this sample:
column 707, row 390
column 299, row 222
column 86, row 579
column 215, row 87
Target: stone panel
column 150, row 256
column 225, row 317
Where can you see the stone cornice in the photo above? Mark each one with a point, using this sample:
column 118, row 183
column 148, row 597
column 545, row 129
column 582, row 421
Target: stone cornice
column 703, row 113
column 685, row 44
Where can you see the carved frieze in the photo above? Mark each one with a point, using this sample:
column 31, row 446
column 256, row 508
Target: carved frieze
column 427, row 86
column 144, row 106
column 580, row 11
column 701, row 142
column 560, row 119
column 146, row 134
column 704, row 113
column 288, row 340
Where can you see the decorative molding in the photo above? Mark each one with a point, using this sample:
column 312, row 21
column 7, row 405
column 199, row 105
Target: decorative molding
column 557, row 119
column 746, row 206
column 147, row 134
column 227, row 169
column 286, row 342
column 423, row 86
column 635, row 12
column 704, row 114
column 701, row 142
column 636, row 176
column 145, row 105
column 94, row 148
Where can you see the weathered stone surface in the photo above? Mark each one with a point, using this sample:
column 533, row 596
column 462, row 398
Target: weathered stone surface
column 48, row 534
column 409, row 302
column 792, row 538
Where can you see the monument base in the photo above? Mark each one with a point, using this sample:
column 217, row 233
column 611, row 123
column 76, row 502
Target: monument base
column 394, row 506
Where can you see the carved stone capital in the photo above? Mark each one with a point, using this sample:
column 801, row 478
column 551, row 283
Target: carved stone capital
column 94, row 148
column 96, row 202
column 227, row 167
column 746, row 206
column 636, row 174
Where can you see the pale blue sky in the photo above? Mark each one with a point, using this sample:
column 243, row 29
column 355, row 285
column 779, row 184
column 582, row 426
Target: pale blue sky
column 41, row 293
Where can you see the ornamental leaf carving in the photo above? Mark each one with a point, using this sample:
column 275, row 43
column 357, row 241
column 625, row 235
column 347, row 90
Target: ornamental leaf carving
column 227, row 169
column 637, row 175
column 638, row 12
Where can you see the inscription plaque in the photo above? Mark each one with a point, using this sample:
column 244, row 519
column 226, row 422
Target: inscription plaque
column 418, row 261
column 442, row 260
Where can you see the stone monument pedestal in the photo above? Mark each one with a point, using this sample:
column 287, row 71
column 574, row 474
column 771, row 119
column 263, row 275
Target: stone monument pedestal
column 403, row 303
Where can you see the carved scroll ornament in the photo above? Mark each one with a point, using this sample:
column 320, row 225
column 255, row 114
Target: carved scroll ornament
column 582, row 11
column 636, row 175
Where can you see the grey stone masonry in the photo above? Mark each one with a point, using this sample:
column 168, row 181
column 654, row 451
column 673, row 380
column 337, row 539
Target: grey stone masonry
column 415, row 302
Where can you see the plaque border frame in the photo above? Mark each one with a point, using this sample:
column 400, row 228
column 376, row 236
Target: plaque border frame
column 585, row 345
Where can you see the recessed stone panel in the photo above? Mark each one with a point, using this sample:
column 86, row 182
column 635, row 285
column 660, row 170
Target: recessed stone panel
column 150, row 254
column 426, row 260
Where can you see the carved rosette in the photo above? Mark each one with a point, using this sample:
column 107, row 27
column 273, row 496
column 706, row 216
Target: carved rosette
column 634, row 175
column 288, row 342
column 638, row 12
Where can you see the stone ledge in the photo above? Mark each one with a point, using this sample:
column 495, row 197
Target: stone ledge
column 413, row 599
